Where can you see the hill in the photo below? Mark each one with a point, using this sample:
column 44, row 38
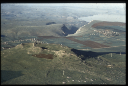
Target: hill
column 95, row 25
column 45, row 30
column 53, row 44
column 43, row 63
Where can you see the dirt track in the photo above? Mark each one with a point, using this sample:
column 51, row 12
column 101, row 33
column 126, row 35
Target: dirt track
column 109, row 24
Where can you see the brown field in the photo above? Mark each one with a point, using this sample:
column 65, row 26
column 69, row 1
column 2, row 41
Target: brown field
column 49, row 56
column 51, row 37
column 109, row 24
column 88, row 43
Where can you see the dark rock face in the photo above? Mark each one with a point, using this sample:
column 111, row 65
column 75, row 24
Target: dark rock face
column 73, row 29
column 65, row 30
column 70, row 30
column 50, row 23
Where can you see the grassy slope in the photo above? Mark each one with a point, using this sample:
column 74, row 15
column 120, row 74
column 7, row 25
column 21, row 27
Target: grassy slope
column 46, row 71
column 85, row 29
column 88, row 29
column 44, row 30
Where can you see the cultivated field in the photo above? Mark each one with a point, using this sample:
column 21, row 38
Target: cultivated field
column 109, row 24
column 50, row 45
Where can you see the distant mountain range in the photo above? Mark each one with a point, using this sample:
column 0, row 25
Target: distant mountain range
column 62, row 30
column 45, row 30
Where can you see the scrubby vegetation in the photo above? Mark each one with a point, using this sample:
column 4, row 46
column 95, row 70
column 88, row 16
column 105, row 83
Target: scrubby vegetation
column 51, row 45
column 67, row 66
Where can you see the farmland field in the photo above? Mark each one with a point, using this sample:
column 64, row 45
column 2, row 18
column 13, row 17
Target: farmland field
column 50, row 44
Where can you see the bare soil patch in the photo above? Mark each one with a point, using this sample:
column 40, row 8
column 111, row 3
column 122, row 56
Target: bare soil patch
column 109, row 24
column 49, row 56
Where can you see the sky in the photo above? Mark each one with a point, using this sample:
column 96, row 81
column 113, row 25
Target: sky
column 120, row 5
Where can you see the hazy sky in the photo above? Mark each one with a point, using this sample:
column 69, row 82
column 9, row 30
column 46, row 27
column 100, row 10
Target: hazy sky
column 109, row 6
column 118, row 5
column 113, row 6
column 114, row 9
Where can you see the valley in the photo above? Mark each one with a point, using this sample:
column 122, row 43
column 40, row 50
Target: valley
column 45, row 45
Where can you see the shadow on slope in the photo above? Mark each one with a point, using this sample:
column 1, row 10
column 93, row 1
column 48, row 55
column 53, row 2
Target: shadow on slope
column 89, row 54
column 49, row 23
column 67, row 31
column 3, row 36
column 7, row 75
column 73, row 29
column 43, row 48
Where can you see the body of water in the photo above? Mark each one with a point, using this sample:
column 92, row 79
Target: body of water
column 105, row 17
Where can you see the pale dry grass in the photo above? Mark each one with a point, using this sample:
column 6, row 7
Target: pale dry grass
column 20, row 46
column 34, row 50
column 62, row 53
column 31, row 49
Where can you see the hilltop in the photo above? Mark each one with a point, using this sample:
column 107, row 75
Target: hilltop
column 43, row 63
